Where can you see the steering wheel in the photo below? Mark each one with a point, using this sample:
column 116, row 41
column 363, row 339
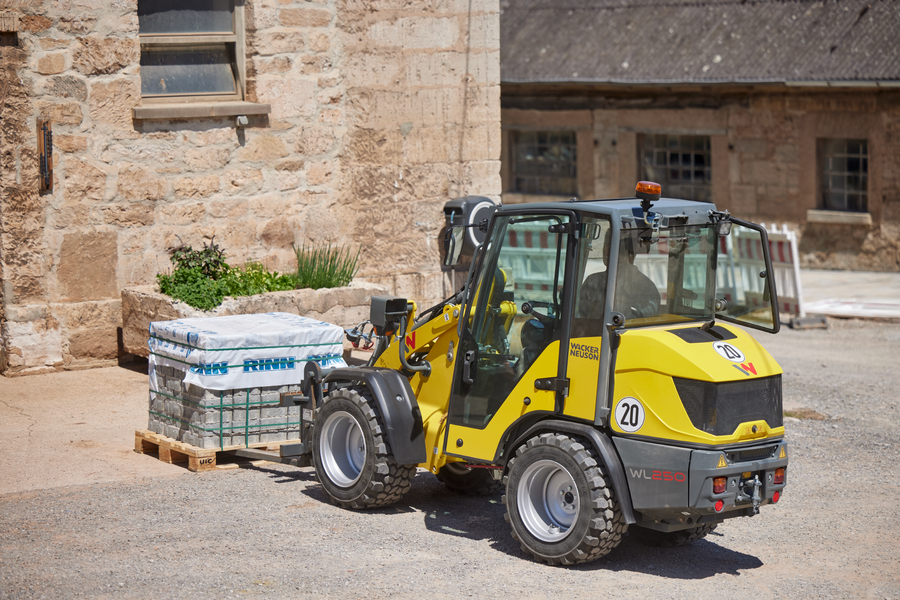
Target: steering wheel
column 529, row 306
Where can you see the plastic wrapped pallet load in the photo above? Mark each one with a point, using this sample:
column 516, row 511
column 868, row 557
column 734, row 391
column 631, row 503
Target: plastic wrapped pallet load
column 217, row 382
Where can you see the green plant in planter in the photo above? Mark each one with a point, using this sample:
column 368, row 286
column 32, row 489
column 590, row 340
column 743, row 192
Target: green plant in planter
column 192, row 287
column 202, row 278
column 255, row 278
column 210, row 259
column 324, row 266
column 195, row 279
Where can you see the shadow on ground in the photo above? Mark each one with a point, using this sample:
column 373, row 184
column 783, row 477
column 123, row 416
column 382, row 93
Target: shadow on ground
column 481, row 518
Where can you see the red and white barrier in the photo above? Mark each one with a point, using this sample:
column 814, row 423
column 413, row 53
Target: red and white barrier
column 786, row 264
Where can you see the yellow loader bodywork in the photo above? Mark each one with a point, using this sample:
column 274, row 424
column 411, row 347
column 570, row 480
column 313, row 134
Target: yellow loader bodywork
column 584, row 368
column 673, row 357
column 651, row 383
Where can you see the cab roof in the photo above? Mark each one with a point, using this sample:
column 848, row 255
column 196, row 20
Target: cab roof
column 618, row 208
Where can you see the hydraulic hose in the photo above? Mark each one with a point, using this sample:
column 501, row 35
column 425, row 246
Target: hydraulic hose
column 424, row 366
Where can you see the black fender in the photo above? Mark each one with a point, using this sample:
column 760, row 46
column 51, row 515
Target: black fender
column 397, row 406
column 602, row 444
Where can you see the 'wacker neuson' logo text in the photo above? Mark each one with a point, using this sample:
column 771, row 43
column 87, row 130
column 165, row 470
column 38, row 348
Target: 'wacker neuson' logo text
column 583, row 351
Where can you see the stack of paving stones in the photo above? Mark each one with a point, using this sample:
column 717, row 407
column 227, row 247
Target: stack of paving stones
column 219, row 418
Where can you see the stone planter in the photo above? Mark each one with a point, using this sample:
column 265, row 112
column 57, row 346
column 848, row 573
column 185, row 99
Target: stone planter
column 344, row 306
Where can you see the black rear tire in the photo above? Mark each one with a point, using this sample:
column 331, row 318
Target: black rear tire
column 671, row 539
column 559, row 502
column 471, row 482
column 351, row 454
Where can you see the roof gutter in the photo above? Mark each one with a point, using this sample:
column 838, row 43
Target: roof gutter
column 658, row 82
column 844, row 84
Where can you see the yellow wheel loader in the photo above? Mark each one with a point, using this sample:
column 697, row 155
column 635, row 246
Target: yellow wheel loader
column 589, row 370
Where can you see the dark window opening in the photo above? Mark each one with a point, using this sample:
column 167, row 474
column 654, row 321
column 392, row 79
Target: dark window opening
column 190, row 49
column 544, row 162
column 680, row 163
column 845, row 174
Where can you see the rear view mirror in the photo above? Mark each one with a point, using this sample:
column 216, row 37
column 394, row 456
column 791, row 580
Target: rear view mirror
column 590, row 231
column 453, row 245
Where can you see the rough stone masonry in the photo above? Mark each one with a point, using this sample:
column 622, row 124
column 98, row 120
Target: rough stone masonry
column 380, row 112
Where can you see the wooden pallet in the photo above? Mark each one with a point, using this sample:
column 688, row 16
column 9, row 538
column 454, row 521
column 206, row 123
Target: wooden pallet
column 198, row 459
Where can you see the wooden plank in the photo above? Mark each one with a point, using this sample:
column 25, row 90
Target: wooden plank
column 241, row 464
column 200, row 464
column 198, row 460
column 158, row 439
column 165, row 455
column 142, row 446
column 178, row 457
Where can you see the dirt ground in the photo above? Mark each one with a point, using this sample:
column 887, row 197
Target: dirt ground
column 73, row 428
column 82, row 515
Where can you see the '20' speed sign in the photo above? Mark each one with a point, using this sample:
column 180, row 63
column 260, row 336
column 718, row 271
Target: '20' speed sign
column 629, row 414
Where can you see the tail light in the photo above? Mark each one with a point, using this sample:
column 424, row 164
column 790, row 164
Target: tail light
column 779, row 475
column 719, row 484
column 719, row 506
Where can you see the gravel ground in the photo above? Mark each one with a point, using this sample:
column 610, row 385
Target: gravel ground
column 269, row 532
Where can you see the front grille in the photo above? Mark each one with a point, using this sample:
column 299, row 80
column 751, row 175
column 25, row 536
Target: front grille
column 718, row 408
column 754, row 454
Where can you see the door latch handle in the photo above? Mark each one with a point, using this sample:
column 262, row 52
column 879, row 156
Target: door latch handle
column 468, row 375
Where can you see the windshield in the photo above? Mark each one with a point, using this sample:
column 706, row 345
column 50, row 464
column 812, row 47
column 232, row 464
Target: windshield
column 675, row 275
column 669, row 278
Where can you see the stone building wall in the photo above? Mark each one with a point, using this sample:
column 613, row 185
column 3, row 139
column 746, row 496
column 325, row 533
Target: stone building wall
column 381, row 111
column 763, row 151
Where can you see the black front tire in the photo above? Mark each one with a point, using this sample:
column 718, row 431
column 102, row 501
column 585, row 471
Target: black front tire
column 559, row 501
column 471, row 482
column 351, row 454
column 671, row 539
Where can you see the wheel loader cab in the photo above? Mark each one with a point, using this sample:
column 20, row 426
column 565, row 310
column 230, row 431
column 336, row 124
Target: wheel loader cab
column 557, row 276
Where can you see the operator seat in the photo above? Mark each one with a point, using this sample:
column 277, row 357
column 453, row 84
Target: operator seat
column 535, row 336
column 636, row 295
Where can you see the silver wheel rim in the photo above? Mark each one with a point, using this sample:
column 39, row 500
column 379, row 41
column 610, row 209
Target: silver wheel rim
column 547, row 500
column 342, row 449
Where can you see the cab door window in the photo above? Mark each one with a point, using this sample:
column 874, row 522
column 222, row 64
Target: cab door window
column 590, row 280
column 516, row 314
column 746, row 285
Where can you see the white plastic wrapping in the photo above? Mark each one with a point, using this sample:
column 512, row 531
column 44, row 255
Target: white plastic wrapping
column 244, row 351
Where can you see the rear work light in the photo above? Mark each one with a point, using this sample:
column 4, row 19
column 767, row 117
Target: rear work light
column 648, row 192
column 719, row 485
column 648, row 187
column 779, row 475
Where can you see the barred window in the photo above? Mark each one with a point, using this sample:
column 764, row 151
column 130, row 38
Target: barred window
column 845, row 174
column 193, row 49
column 544, row 162
column 680, row 163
